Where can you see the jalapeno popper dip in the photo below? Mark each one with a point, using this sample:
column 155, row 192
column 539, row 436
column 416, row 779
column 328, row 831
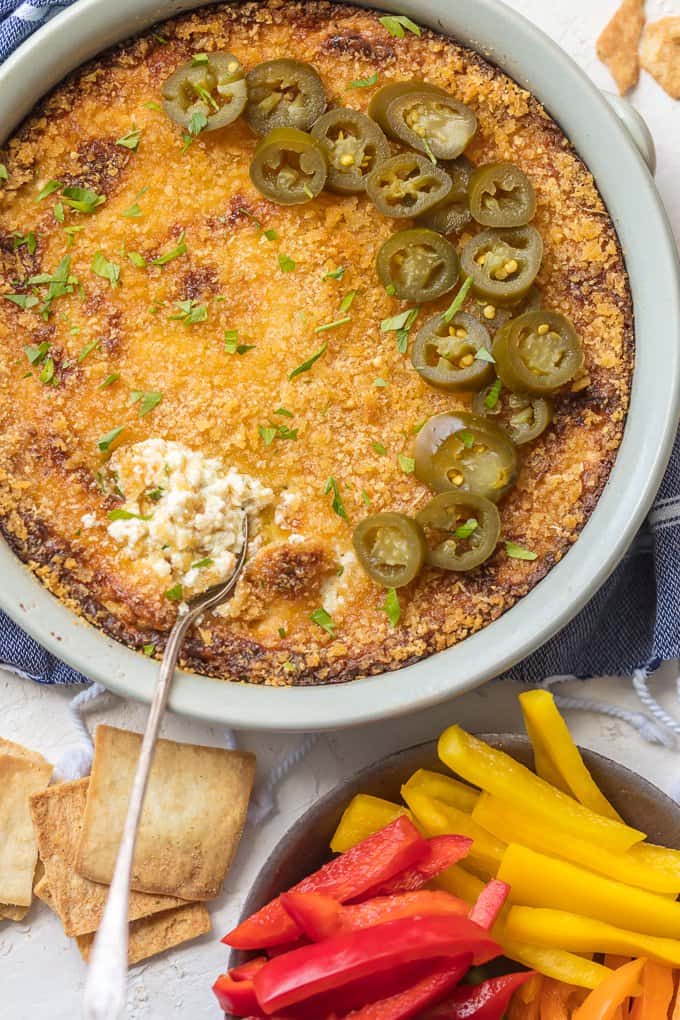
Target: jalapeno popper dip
column 326, row 267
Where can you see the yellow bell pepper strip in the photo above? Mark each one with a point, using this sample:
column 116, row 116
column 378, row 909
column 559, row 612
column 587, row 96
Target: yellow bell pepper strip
column 660, row 858
column 510, row 823
column 537, row 880
column 552, row 744
column 461, row 883
column 363, row 816
column 553, row 962
column 501, row 775
column 604, row 1002
column 438, row 819
column 444, row 788
column 578, row 934
column 657, row 993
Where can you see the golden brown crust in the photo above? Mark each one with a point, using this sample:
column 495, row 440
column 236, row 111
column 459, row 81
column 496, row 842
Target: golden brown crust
column 214, row 402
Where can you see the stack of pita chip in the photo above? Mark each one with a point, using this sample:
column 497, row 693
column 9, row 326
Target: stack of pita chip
column 193, row 817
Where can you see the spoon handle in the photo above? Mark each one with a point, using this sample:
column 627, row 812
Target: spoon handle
column 105, row 987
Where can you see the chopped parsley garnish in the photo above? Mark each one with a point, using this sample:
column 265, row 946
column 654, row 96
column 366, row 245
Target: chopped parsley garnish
column 333, row 325
column 428, row 152
column 407, row 464
column 334, row 274
column 466, row 438
column 82, row 199
column 71, row 232
column 155, row 494
column 174, row 253
column 127, row 515
column 306, row 365
column 104, row 442
column 149, row 650
column 156, row 107
column 131, row 139
column 282, row 632
column 323, row 619
column 133, row 211
column 190, row 312
column 346, row 302
column 286, row 263
column 491, row 399
column 58, row 212
column 110, row 380
column 270, row 234
column 198, row 59
column 146, row 401
column 37, row 353
column 136, row 259
column 380, row 383
column 465, row 530
column 267, row 433
column 197, row 123
column 379, row 449
column 231, row 344
column 365, row 498
column 308, row 191
column 396, row 23
column 484, row 355
column 202, row 564
column 401, row 325
column 22, row 300
column 337, row 504
column 391, row 606
column 30, row 240
column 106, row 269
column 175, row 594
column 48, row 190
column 284, row 412
column 517, row 552
column 47, row 374
column 363, row 83
column 88, row 348
column 4, row 172
column 457, row 302
column 60, row 283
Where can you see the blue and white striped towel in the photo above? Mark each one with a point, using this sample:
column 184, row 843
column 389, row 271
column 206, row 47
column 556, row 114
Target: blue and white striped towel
column 632, row 624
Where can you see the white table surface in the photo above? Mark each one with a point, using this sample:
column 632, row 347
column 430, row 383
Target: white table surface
column 41, row 973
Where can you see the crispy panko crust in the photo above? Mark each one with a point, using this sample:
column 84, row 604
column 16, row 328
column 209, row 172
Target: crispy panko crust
column 214, row 401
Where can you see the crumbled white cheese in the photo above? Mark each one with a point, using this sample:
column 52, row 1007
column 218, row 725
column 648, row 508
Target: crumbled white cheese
column 88, row 520
column 334, row 589
column 189, row 511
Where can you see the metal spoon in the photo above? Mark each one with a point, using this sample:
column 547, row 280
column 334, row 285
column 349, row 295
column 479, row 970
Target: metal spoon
column 106, row 984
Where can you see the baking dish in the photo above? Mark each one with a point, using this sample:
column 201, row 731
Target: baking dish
column 627, row 188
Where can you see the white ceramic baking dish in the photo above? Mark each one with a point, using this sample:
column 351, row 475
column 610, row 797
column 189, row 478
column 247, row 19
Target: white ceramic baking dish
column 623, row 176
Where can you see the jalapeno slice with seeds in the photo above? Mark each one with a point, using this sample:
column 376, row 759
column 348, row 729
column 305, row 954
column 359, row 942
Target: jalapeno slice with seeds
column 288, row 167
column 432, row 123
column 522, row 416
column 283, row 93
column 390, row 547
column 495, row 316
column 451, row 215
column 465, row 453
column 380, row 100
column 417, row 265
column 501, row 195
column 537, row 353
column 503, row 264
column 471, row 527
column 215, row 89
column 407, row 185
column 445, row 353
column 354, row 145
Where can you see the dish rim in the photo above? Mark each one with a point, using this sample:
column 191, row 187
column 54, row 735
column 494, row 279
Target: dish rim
column 505, row 37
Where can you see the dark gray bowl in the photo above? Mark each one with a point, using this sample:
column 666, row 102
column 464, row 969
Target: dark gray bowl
column 305, row 846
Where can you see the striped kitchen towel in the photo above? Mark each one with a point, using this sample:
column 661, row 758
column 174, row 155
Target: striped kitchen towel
column 19, row 20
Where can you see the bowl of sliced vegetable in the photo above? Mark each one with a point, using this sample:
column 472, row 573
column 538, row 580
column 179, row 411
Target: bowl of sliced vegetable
column 470, row 877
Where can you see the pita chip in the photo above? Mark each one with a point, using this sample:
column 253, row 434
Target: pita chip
column 192, row 820
column 660, row 54
column 152, row 935
column 617, row 46
column 19, row 779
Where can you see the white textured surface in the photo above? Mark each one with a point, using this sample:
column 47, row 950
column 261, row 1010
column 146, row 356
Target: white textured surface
column 41, row 974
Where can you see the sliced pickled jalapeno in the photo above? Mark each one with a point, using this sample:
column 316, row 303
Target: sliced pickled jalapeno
column 390, row 547
column 429, row 122
column 283, row 93
column 354, row 145
column 407, row 185
column 522, row 416
column 380, row 100
column 445, row 353
column 215, row 89
column 537, row 353
column 465, row 453
column 451, row 215
column 503, row 264
column 288, row 167
column 494, row 316
column 501, row 195
column 417, row 265
column 468, row 528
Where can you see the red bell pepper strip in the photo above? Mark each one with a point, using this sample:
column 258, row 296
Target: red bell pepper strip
column 234, row 990
column 487, row 1001
column 411, row 1002
column 442, row 852
column 335, row 962
column 375, row 860
column 320, row 916
column 489, row 904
